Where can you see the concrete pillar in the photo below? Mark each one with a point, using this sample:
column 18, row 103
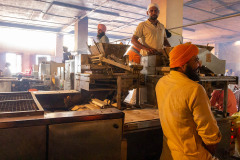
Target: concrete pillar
column 171, row 14
column 81, row 35
column 2, row 61
column 59, row 48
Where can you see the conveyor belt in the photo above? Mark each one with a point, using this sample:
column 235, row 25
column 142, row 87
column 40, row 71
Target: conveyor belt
column 15, row 96
column 13, row 106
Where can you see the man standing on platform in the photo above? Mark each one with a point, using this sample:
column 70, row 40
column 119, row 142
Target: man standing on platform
column 101, row 36
column 66, row 54
column 134, row 52
column 151, row 32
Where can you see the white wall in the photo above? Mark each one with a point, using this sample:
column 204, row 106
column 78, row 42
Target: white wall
column 27, row 43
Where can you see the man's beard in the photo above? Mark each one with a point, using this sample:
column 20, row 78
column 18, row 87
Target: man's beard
column 192, row 74
column 99, row 36
column 154, row 17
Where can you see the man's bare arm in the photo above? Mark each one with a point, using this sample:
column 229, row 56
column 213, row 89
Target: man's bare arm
column 137, row 44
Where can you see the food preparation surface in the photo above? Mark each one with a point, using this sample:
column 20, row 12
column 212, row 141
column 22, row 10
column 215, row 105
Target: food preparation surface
column 141, row 119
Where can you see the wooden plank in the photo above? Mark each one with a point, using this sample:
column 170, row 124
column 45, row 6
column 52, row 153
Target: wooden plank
column 163, row 69
column 99, row 102
column 93, row 60
column 84, row 58
column 92, row 67
column 97, row 76
column 119, row 91
column 94, row 57
column 116, row 64
column 94, row 50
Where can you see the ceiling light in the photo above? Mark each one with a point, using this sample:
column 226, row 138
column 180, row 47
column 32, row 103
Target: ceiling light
column 237, row 43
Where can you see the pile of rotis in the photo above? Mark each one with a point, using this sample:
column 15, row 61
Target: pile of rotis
column 93, row 105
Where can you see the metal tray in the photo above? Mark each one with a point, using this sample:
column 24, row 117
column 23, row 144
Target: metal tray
column 15, row 104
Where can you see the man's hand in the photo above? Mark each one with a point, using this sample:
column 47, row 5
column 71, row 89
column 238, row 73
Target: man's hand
column 137, row 44
column 151, row 51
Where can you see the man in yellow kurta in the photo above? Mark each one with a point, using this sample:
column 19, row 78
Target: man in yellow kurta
column 151, row 32
column 189, row 127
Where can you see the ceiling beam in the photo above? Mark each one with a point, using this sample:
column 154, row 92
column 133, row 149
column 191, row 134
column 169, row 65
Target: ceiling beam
column 49, row 7
column 201, row 10
column 26, row 19
column 68, row 5
column 80, row 18
column 191, row 2
column 94, row 34
column 130, row 4
column 120, row 10
column 230, row 7
column 54, row 30
column 18, row 7
column 211, row 20
column 31, row 27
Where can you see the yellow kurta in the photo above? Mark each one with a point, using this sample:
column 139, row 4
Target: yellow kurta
column 186, row 117
column 151, row 36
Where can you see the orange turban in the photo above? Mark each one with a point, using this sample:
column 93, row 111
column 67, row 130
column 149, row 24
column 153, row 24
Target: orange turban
column 181, row 54
column 102, row 27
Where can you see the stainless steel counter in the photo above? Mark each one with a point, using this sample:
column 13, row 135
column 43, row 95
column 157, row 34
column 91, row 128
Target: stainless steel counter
column 63, row 135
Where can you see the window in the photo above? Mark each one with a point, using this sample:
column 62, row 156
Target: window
column 15, row 61
column 40, row 58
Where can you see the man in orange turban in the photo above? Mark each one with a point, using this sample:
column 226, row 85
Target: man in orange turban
column 189, row 127
column 102, row 38
column 182, row 54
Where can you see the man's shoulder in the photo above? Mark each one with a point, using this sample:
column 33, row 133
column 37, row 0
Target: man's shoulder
column 194, row 84
column 161, row 25
column 186, row 85
column 105, row 39
column 143, row 23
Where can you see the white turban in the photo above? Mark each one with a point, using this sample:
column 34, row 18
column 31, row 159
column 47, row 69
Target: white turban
column 152, row 5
